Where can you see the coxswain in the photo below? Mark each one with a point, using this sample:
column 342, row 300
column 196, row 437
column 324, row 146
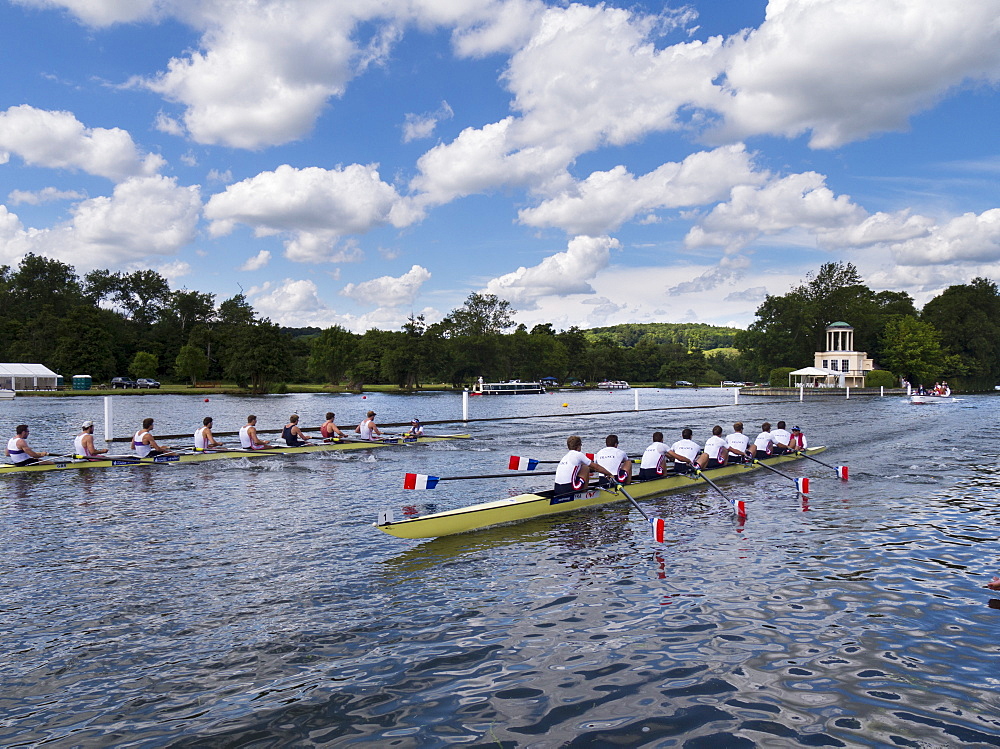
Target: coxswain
column 367, row 428
column 781, row 438
column 292, row 433
column 329, row 429
column 687, row 454
column 144, row 443
column 717, row 449
column 83, row 444
column 19, row 452
column 415, row 430
column 739, row 444
column 798, row 442
column 574, row 469
column 653, row 461
column 248, row 436
column 615, row 460
column 205, row 440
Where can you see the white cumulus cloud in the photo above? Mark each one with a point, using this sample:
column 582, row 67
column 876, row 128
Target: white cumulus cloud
column 59, row 140
column 258, row 261
column 389, row 291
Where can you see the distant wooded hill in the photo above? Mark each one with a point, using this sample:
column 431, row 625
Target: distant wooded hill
column 692, row 335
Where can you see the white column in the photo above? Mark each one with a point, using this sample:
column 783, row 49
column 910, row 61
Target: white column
column 465, row 404
column 109, row 418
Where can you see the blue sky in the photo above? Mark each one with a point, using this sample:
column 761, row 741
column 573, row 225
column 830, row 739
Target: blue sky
column 353, row 163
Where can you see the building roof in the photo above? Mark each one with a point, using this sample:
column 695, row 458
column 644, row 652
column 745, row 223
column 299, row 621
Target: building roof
column 25, row 370
column 839, row 325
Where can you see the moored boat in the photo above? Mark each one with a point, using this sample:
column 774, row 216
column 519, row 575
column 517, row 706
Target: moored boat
column 613, row 385
column 6, row 394
column 526, row 506
column 514, row 387
column 200, row 457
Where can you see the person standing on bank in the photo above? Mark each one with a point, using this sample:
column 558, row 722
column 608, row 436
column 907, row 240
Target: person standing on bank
column 573, row 471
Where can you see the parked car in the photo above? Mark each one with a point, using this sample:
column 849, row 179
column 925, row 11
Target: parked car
column 578, row 384
column 122, row 382
column 729, row 384
column 146, row 382
column 683, row 384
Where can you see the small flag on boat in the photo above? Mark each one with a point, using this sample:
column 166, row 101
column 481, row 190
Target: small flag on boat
column 657, row 525
column 802, row 484
column 842, row 472
column 419, row 481
column 521, row 464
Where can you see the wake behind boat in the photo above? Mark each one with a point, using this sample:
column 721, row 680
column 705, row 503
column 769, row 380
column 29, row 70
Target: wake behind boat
column 59, row 464
column 526, row 506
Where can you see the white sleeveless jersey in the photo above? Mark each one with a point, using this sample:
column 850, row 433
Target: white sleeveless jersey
column 141, row 448
column 245, row 440
column 200, row 441
column 79, row 449
column 17, row 455
column 716, row 447
column 366, row 429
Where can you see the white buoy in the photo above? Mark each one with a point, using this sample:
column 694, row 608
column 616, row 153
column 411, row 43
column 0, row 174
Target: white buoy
column 465, row 404
column 109, row 418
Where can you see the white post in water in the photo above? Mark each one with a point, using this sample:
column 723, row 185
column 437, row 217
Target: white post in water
column 635, row 393
column 736, row 396
column 881, row 391
column 848, row 392
column 465, row 404
column 802, row 392
column 109, row 418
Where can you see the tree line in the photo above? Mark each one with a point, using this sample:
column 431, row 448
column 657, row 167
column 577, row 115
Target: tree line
column 956, row 336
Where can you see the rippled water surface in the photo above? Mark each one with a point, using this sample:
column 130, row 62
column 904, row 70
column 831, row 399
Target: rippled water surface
column 252, row 603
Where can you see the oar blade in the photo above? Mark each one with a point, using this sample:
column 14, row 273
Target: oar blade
column 842, row 472
column 517, row 463
column 802, row 484
column 658, row 528
column 419, row 481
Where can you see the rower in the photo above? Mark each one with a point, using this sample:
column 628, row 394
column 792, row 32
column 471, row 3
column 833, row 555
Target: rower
column 83, row 445
column 19, row 452
column 615, row 460
column 762, row 445
column 717, row 449
column 687, row 453
column 292, row 433
column 144, row 443
column 574, row 469
column 781, row 437
column 653, row 459
column 329, row 429
column 204, row 439
column 367, row 428
column 415, row 430
column 248, row 436
column 739, row 444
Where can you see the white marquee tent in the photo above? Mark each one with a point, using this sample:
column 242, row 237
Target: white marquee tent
column 814, row 375
column 27, row 377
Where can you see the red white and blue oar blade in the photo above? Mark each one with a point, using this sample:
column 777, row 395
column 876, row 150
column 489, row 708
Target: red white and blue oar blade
column 657, row 527
column 419, row 481
column 802, row 484
column 521, row 464
column 842, row 472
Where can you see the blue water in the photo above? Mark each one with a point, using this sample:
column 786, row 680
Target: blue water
column 252, row 603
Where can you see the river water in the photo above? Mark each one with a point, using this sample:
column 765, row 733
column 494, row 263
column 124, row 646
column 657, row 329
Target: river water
column 252, row 603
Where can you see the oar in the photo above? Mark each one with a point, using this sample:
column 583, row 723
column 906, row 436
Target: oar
column 656, row 525
column 738, row 504
column 518, row 463
column 841, row 471
column 423, row 481
column 801, row 484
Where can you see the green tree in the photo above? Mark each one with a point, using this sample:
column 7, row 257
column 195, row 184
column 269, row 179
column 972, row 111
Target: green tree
column 144, row 364
column 481, row 315
column 968, row 318
column 331, row 353
column 257, row 355
column 913, row 349
column 190, row 308
column 191, row 363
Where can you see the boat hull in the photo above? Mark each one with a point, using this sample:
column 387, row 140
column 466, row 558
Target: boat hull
column 930, row 400
column 201, row 457
column 527, row 506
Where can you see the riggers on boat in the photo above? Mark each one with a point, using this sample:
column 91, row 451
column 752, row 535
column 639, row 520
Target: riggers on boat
column 199, row 457
column 526, row 506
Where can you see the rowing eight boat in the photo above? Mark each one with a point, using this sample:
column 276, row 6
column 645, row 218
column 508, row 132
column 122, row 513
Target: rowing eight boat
column 525, row 506
column 198, row 457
